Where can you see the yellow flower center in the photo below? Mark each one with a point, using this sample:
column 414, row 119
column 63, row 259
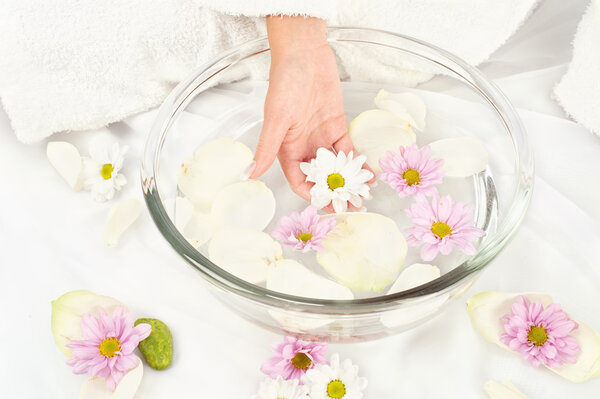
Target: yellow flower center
column 537, row 335
column 304, row 237
column 106, row 171
column 335, row 180
column 301, row 361
column 109, row 347
column 441, row 229
column 336, row 389
column 411, row 176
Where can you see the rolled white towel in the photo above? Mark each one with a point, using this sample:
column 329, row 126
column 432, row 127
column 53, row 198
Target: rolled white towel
column 578, row 92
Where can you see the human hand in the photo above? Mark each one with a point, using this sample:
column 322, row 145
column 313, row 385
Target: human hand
column 304, row 107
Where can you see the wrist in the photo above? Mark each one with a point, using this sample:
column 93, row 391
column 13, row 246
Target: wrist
column 293, row 34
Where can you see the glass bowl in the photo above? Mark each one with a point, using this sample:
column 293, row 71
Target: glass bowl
column 459, row 101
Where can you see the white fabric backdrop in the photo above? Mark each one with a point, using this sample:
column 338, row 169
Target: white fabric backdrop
column 50, row 243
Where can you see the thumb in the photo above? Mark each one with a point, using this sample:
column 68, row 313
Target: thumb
column 272, row 134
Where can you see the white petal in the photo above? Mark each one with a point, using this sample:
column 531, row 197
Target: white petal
column 463, row 156
column 212, row 167
column 376, row 132
column 67, row 311
column 193, row 224
column 506, row 390
column 67, row 161
column 408, row 106
column 365, row 251
column 248, row 204
column 95, row 387
column 414, row 276
column 121, row 217
column 244, row 253
column 485, row 310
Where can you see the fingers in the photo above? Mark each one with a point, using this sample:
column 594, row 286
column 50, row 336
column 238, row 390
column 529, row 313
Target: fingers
column 296, row 178
column 345, row 144
column 272, row 134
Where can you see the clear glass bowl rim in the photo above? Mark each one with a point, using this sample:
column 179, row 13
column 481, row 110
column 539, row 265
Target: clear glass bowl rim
column 185, row 91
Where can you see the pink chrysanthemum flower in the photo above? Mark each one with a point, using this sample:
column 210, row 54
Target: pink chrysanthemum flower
column 440, row 225
column 540, row 335
column 411, row 170
column 303, row 231
column 293, row 358
column 107, row 348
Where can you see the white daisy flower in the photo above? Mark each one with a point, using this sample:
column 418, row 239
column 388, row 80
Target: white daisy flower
column 335, row 380
column 338, row 179
column 101, row 171
column 280, row 389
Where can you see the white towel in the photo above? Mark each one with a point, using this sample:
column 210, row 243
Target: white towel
column 579, row 90
column 81, row 64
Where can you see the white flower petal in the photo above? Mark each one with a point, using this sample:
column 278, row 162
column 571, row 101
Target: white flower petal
column 506, row 390
column 121, row 217
column 65, row 158
column 376, row 132
column 95, row 387
column 408, row 106
column 244, row 253
column 193, row 224
column 248, row 204
column 67, row 311
column 485, row 310
column 413, row 276
column 365, row 251
column 213, row 166
column 463, row 156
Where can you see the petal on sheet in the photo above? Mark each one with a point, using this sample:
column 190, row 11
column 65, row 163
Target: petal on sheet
column 365, row 251
column 95, row 387
column 249, row 204
column 413, row 276
column 65, row 158
column 375, row 132
column 193, row 224
column 120, row 218
column 67, row 311
column 504, row 390
column 463, row 156
column 408, row 106
column 245, row 253
column 485, row 310
column 213, row 166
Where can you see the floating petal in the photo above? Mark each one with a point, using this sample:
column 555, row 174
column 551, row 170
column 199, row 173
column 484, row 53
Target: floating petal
column 506, row 390
column 365, row 251
column 193, row 224
column 486, row 309
column 248, row 204
column 376, row 132
column 408, row 106
column 213, row 166
column 121, row 217
column 67, row 311
column 463, row 156
column 65, row 158
column 413, row 276
column 245, row 253
column 95, row 387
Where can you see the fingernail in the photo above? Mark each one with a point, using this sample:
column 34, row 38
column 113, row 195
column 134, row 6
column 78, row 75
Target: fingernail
column 248, row 171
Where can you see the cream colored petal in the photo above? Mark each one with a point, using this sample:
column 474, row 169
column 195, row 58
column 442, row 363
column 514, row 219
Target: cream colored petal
column 193, row 224
column 248, row 204
column 67, row 311
column 408, row 106
column 463, row 156
column 486, row 309
column 65, row 158
column 365, row 251
column 244, row 253
column 506, row 390
column 413, row 276
column 120, row 218
column 376, row 132
column 95, row 387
